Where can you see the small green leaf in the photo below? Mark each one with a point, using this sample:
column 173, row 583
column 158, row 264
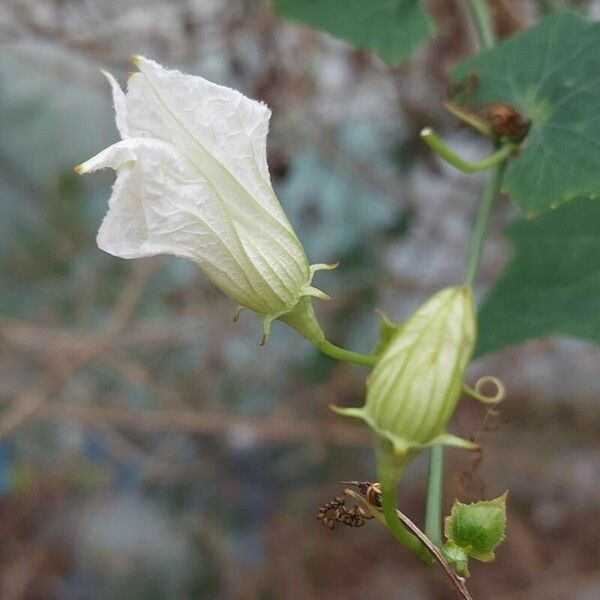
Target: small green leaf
column 477, row 528
column 549, row 73
column 552, row 284
column 392, row 29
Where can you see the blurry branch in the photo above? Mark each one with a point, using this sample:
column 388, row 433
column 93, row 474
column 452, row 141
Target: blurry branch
column 59, row 369
column 154, row 332
column 67, row 351
column 63, row 352
column 126, row 302
column 136, row 372
column 27, row 403
column 252, row 430
column 158, row 465
column 90, row 29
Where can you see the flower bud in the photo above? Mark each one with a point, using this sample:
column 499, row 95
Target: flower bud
column 415, row 385
column 192, row 181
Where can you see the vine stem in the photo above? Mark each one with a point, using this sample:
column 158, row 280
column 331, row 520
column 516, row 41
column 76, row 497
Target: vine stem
column 389, row 471
column 481, row 19
column 490, row 191
column 438, row 146
column 433, row 524
column 398, row 530
column 433, row 510
column 346, row 355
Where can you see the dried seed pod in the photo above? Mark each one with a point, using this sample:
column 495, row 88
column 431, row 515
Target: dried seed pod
column 328, row 511
column 505, row 121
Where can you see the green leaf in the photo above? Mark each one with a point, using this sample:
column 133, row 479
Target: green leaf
column 552, row 284
column 551, row 74
column 392, row 29
column 477, row 528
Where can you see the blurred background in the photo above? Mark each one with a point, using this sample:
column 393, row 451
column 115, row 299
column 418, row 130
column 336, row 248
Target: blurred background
column 149, row 449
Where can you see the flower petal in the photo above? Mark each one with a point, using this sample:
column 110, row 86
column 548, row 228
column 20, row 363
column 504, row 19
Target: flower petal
column 159, row 206
column 142, row 118
column 120, row 104
column 219, row 126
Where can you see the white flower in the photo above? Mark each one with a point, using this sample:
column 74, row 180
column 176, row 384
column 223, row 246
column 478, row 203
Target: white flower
column 192, row 180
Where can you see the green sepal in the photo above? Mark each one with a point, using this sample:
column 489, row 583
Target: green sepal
column 477, row 528
column 457, row 558
column 387, row 330
column 454, row 441
column 399, row 446
column 403, row 447
column 302, row 318
column 358, row 413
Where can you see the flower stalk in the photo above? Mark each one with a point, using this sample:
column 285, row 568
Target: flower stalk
column 483, row 24
column 338, row 353
column 433, row 505
column 440, row 148
column 397, row 529
column 490, row 192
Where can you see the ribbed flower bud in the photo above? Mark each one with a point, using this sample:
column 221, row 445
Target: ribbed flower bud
column 414, row 387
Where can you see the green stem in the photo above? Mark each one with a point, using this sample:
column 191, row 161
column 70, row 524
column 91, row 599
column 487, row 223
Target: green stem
column 482, row 22
column 433, row 523
column 433, row 510
column 346, row 355
column 389, row 470
column 438, row 146
column 490, row 192
column 407, row 539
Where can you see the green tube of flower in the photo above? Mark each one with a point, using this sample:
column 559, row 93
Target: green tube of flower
column 413, row 390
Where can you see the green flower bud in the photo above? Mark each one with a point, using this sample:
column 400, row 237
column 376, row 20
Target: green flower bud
column 415, row 385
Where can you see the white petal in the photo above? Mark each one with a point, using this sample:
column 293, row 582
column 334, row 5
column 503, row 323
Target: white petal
column 112, row 157
column 215, row 125
column 120, row 104
column 160, row 206
column 142, row 118
column 223, row 135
